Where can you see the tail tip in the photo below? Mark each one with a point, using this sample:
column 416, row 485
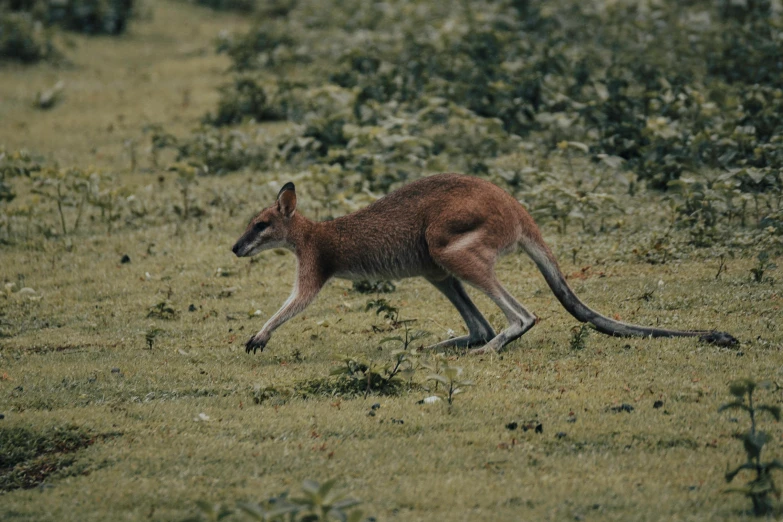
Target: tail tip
column 719, row 339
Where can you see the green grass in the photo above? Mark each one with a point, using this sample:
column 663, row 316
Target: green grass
column 75, row 353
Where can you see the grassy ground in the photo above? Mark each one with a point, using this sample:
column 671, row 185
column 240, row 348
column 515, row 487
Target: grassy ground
column 76, row 353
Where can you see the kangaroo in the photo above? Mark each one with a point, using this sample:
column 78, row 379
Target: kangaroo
column 447, row 228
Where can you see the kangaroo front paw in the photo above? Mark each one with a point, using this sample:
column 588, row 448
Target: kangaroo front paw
column 255, row 343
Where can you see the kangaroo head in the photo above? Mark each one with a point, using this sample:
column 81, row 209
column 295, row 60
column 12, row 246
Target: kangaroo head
column 269, row 229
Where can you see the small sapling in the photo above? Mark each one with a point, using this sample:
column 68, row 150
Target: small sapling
column 762, row 487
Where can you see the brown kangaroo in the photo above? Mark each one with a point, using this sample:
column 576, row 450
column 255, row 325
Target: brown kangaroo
column 447, row 228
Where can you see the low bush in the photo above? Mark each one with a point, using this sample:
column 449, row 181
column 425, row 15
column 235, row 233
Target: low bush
column 23, row 39
column 84, row 16
column 421, row 96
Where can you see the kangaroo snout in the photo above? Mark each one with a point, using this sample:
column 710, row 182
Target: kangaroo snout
column 236, row 248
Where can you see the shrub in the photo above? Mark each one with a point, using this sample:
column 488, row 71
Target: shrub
column 228, row 5
column 245, row 98
column 460, row 93
column 762, row 487
column 85, row 16
column 22, row 39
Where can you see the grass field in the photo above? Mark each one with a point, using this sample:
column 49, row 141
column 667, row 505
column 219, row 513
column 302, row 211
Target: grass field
column 168, row 399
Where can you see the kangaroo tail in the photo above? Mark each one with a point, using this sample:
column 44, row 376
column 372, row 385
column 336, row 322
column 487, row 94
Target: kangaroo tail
column 547, row 263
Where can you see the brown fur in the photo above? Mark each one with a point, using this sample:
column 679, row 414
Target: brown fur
column 447, row 228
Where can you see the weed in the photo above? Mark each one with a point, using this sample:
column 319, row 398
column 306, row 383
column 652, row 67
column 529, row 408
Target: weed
column 317, row 503
column 579, row 336
column 382, row 376
column 151, row 335
column 762, row 487
column 24, row 40
column 28, row 458
column 66, row 188
column 245, row 99
column 230, row 5
column 764, row 265
column 366, row 286
column 382, row 306
column 449, row 378
column 373, row 376
column 409, row 337
column 162, row 310
column 186, row 179
column 263, row 394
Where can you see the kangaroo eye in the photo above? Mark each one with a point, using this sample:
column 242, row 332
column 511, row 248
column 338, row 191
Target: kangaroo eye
column 259, row 227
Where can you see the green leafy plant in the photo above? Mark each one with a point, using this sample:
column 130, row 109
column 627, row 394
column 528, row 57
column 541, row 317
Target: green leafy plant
column 186, row 179
column 218, row 151
column 452, row 384
column 382, row 306
column 377, row 376
column 409, row 336
column 151, row 335
column 384, row 377
column 323, row 502
column 762, row 266
column 163, row 310
column 245, row 99
column 23, row 40
column 159, row 141
column 762, row 487
column 579, row 336
column 318, row 502
column 86, row 16
column 246, row 6
column 65, row 188
column 366, row 286
column 29, row 457
column 105, row 195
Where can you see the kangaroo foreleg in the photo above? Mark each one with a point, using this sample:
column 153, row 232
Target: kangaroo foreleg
column 302, row 296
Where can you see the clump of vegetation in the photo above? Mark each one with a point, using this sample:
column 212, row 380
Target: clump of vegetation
column 390, row 312
column 658, row 114
column 366, row 286
column 29, row 458
column 24, row 40
column 386, row 378
column 409, row 336
column 72, row 198
column 246, row 99
column 762, row 488
column 449, row 378
column 387, row 102
column 163, row 310
column 764, row 265
column 13, row 165
column 245, row 6
column 151, row 335
column 218, row 151
column 579, row 336
column 317, row 503
column 85, row 16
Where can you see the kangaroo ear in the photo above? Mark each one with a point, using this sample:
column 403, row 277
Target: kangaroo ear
column 286, row 199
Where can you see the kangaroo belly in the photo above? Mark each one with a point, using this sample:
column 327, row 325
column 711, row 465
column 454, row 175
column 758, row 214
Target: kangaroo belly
column 388, row 258
column 379, row 266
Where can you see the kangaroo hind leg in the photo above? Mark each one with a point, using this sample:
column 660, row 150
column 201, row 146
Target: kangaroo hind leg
column 476, row 267
column 480, row 331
